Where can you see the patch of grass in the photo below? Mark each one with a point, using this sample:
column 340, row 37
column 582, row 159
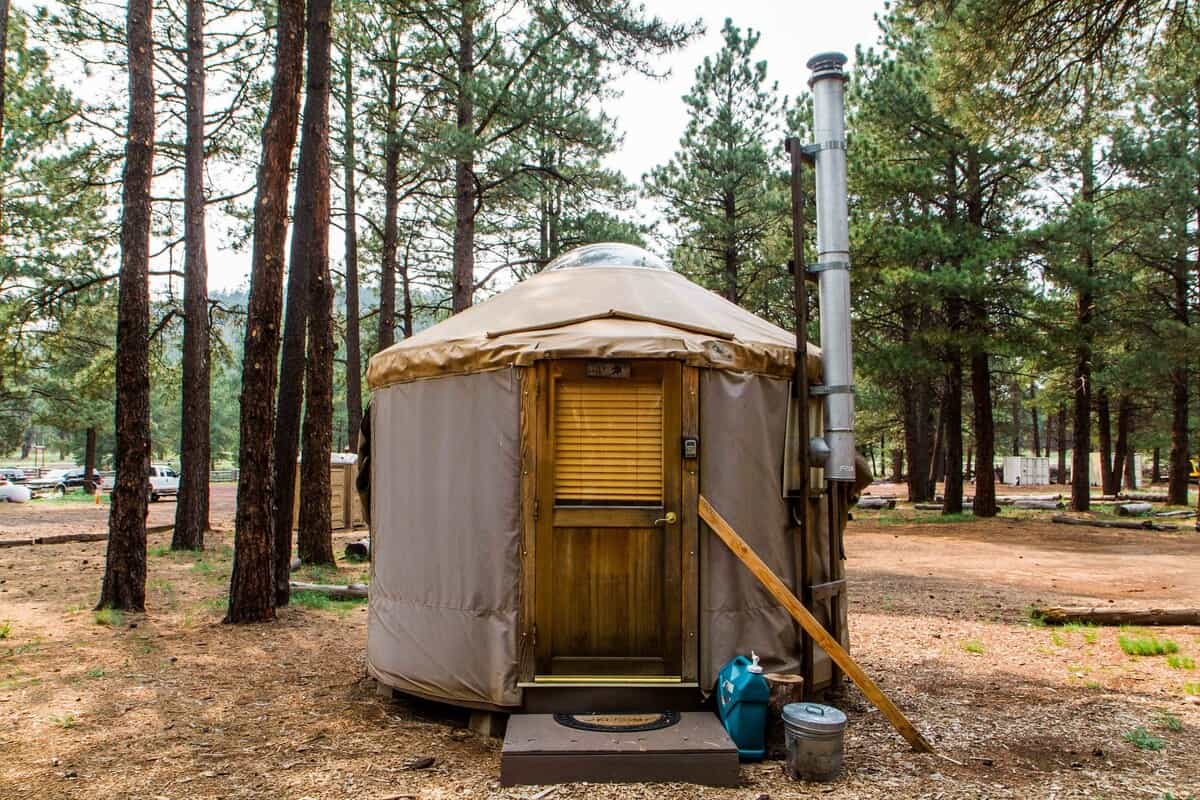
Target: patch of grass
column 5, row 629
column 1147, row 645
column 1180, row 662
column 28, row 647
column 911, row 517
column 1171, row 722
column 95, row 673
column 1142, row 739
column 109, row 616
column 1034, row 614
column 320, row 602
column 1089, row 636
column 74, row 608
column 158, row 551
column 317, row 573
column 973, row 646
column 203, row 567
column 1192, row 688
column 220, row 604
column 1091, row 684
column 66, row 721
column 1058, row 639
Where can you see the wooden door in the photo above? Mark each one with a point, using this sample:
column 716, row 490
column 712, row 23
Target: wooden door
column 608, row 520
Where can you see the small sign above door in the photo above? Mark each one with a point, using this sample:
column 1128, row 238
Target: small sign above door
column 609, row 369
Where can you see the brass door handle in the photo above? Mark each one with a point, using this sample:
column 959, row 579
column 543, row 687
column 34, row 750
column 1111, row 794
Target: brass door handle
column 669, row 519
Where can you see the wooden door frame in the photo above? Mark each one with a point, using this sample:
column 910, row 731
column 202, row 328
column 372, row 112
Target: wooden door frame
column 535, row 421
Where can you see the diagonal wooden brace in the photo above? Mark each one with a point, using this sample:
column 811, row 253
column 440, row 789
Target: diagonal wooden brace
column 831, row 646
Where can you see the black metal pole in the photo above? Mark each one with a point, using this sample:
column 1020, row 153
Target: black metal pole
column 799, row 501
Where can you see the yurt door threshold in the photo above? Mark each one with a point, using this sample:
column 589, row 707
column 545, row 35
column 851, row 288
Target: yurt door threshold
column 608, row 525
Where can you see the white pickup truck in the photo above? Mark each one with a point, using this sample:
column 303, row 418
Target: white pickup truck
column 162, row 482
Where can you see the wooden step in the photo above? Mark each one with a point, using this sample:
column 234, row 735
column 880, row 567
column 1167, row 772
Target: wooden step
column 578, row 698
column 539, row 750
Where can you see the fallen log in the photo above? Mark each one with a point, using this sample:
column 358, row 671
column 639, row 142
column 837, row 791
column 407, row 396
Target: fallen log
column 1106, row 615
column 1183, row 514
column 55, row 538
column 868, row 503
column 1134, row 509
column 821, row 637
column 1144, row 525
column 1040, row 505
column 353, row 591
column 1142, row 497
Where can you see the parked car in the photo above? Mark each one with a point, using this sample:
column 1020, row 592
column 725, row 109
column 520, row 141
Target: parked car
column 57, row 480
column 163, row 481
column 12, row 493
column 14, row 474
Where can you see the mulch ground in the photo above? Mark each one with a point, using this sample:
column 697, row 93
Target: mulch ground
column 174, row 704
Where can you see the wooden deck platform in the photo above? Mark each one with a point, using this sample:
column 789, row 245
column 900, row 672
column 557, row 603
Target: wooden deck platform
column 538, row 750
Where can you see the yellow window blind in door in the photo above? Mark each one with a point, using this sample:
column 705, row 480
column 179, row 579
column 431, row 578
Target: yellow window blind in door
column 608, row 443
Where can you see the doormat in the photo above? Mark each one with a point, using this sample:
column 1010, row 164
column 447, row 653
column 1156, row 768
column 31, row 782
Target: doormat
column 618, row 723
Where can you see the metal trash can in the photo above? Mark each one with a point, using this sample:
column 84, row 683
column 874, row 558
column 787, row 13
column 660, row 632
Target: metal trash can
column 814, row 741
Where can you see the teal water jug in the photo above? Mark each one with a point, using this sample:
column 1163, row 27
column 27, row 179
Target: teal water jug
column 742, row 695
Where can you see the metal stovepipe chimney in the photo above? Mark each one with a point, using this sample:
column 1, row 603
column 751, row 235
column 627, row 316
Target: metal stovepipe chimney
column 833, row 261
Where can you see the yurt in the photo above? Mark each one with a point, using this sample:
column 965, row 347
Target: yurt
column 536, row 463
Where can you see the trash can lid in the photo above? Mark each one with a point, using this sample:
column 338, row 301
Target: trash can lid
column 814, row 717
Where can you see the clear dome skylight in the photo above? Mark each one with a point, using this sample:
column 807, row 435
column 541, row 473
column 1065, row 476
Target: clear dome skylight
column 608, row 254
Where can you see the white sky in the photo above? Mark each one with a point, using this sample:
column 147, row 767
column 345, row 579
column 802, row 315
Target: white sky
column 651, row 114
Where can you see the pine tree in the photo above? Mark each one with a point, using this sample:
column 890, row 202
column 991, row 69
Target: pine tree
column 721, row 194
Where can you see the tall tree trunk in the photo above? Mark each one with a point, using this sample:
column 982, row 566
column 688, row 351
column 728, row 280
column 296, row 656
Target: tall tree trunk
column 1179, row 466
column 1156, row 466
column 1062, row 443
column 191, row 507
column 1082, row 422
column 4, row 6
column 729, row 283
column 937, row 464
column 1123, row 455
column 1033, row 414
column 897, row 463
column 1015, row 399
column 314, row 539
column 89, row 460
column 985, row 436
column 917, row 434
column 124, row 584
column 952, row 401
column 252, row 584
column 353, row 345
column 465, row 192
column 1104, row 423
column 391, row 200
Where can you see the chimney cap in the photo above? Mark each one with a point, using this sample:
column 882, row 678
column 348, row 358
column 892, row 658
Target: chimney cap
column 826, row 65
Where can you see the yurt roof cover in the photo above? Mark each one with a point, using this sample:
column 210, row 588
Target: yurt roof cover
column 599, row 301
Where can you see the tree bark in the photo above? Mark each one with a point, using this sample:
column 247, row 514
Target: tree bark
column 89, row 460
column 1015, row 395
column 4, row 7
column 730, row 283
column 353, row 345
column 1119, row 616
column 124, row 584
column 937, row 464
column 191, row 507
column 1033, row 414
column 252, row 584
column 1062, row 443
column 917, row 434
column 1082, row 422
column 391, row 203
column 1104, row 423
column 897, row 463
column 985, row 436
column 314, row 540
column 1156, row 468
column 1123, row 466
column 1179, row 466
column 952, row 406
column 465, row 192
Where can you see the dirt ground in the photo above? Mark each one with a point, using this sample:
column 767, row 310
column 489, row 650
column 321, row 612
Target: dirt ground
column 173, row 704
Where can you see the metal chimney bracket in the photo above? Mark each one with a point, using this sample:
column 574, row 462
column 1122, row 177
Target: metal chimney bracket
column 822, row 266
column 820, row 390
